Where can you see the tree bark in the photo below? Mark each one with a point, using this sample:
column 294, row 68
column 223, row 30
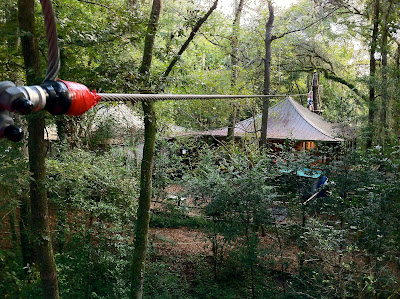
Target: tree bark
column 36, row 149
column 143, row 212
column 235, row 42
column 398, row 60
column 39, row 209
column 267, row 73
column 385, row 96
column 372, row 74
column 234, row 64
column 30, row 49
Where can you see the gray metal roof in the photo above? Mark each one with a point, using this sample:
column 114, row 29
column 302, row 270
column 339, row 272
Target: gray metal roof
column 288, row 119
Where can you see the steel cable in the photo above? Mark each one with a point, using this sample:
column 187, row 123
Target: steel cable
column 125, row 97
column 53, row 52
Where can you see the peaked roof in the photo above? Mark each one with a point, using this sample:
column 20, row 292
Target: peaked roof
column 289, row 119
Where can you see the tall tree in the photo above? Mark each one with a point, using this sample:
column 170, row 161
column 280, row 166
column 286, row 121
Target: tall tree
column 267, row 72
column 143, row 212
column 234, row 63
column 385, row 96
column 268, row 39
column 36, row 123
column 235, row 40
column 372, row 72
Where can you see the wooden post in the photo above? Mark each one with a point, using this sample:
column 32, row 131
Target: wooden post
column 315, row 91
column 232, row 123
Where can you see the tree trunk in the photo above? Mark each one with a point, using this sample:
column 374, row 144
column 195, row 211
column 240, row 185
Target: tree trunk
column 235, row 42
column 234, row 64
column 385, row 98
column 39, row 209
column 36, row 148
column 30, row 49
column 267, row 74
column 398, row 60
column 143, row 212
column 372, row 73
column 397, row 78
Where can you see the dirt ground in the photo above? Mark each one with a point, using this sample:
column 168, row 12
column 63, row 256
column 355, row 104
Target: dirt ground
column 179, row 241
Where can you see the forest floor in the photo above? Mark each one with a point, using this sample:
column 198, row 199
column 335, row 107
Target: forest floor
column 179, row 241
column 182, row 241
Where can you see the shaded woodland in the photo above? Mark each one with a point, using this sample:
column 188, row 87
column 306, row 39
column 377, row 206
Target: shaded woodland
column 104, row 206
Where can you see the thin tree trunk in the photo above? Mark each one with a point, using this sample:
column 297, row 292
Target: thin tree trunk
column 30, row 49
column 372, row 73
column 398, row 60
column 234, row 64
column 189, row 39
column 235, row 42
column 36, row 149
column 39, row 209
column 267, row 74
column 143, row 212
column 385, row 97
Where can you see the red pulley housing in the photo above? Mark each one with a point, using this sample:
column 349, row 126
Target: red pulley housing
column 65, row 97
column 82, row 99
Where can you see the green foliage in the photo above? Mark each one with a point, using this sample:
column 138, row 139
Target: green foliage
column 14, row 187
column 235, row 187
column 169, row 166
column 174, row 220
column 166, row 281
column 351, row 243
column 14, row 174
column 95, row 197
column 16, row 282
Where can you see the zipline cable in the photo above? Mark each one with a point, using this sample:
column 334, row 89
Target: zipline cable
column 125, row 97
column 53, row 52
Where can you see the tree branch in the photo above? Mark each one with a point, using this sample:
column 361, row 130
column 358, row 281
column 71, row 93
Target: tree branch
column 305, row 27
column 94, row 3
column 331, row 76
column 189, row 39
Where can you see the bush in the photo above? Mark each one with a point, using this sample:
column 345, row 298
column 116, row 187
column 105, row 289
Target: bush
column 95, row 197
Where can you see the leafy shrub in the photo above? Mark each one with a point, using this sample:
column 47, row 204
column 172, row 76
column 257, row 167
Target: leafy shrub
column 168, row 220
column 95, row 197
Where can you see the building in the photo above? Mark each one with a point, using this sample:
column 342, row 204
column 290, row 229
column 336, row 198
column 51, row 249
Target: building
column 289, row 120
